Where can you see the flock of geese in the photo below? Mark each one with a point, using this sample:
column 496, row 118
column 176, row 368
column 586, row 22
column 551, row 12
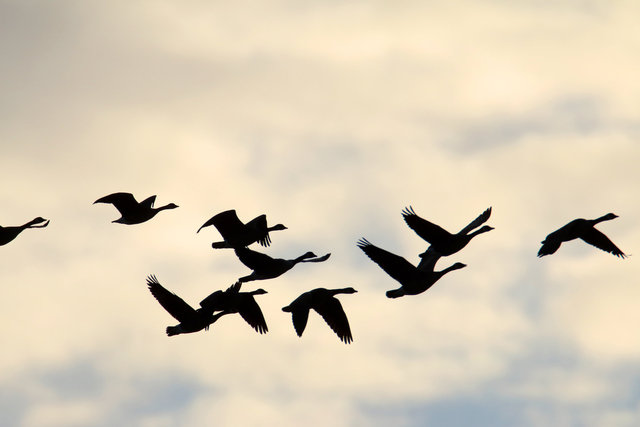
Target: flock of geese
column 238, row 236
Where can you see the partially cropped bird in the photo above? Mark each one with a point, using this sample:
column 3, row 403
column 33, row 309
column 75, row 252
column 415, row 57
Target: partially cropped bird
column 265, row 267
column 236, row 234
column 234, row 301
column 324, row 302
column 414, row 280
column 191, row 320
column 585, row 230
column 7, row 234
column 441, row 240
column 132, row 211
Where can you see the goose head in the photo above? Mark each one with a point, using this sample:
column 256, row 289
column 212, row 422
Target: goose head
column 258, row 292
column 277, row 227
column 37, row 220
column 170, row 206
column 609, row 216
column 457, row 266
column 348, row 290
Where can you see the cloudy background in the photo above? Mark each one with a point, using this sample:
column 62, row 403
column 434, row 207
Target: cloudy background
column 330, row 117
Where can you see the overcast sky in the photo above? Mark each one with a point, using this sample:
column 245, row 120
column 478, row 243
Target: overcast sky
column 330, row 117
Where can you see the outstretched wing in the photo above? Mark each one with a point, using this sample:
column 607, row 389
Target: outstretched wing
column 300, row 316
column 599, row 240
column 481, row 219
column 332, row 312
column 123, row 202
column 227, row 223
column 171, row 302
column 394, row 265
column 252, row 259
column 251, row 313
column 423, row 228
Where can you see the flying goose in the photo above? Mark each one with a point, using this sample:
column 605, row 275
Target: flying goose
column 234, row 301
column 191, row 320
column 236, row 234
column 323, row 301
column 585, row 230
column 414, row 280
column 132, row 211
column 265, row 267
column 441, row 240
column 7, row 234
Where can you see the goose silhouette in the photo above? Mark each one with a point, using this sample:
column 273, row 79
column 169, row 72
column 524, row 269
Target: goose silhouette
column 191, row 320
column 7, row 234
column 442, row 241
column 234, row 301
column 236, row 234
column 414, row 280
column 583, row 229
column 324, row 302
column 266, row 267
column 132, row 211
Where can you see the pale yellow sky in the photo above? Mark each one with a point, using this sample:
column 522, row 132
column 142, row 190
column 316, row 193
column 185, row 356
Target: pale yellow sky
column 330, row 118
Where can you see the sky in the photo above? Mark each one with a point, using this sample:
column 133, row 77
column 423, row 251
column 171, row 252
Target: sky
column 330, row 117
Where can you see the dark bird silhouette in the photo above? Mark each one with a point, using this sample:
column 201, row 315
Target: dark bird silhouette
column 265, row 267
column 236, row 234
column 324, row 302
column 7, row 234
column 442, row 241
column 585, row 230
column 414, row 280
column 132, row 211
column 191, row 320
column 234, row 301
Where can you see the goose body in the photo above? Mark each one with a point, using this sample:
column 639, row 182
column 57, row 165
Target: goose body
column 234, row 301
column 132, row 211
column 237, row 234
column 324, row 302
column 7, row 234
column 191, row 320
column 266, row 267
column 414, row 280
column 440, row 239
column 581, row 229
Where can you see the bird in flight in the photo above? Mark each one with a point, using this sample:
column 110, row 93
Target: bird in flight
column 442, row 241
column 583, row 229
column 237, row 234
column 266, row 267
column 324, row 302
column 132, row 211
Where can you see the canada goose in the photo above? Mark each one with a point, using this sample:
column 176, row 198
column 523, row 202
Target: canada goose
column 237, row 234
column 414, row 280
column 323, row 301
column 191, row 320
column 130, row 210
column 583, row 229
column 7, row 234
column 442, row 241
column 243, row 303
column 265, row 267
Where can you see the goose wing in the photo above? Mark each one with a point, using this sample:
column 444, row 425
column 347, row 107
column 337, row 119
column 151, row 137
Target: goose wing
column 252, row 259
column 300, row 315
column 596, row 238
column 171, row 302
column 423, row 228
column 148, row 202
column 481, row 219
column 394, row 265
column 251, row 313
column 428, row 259
column 258, row 226
column 333, row 314
column 123, row 202
column 227, row 223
